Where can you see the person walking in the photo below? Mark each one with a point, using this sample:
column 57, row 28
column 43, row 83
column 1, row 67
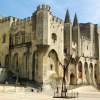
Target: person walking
column 57, row 90
column 41, row 89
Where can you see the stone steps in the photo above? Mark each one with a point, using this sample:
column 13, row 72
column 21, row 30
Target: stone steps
column 10, row 78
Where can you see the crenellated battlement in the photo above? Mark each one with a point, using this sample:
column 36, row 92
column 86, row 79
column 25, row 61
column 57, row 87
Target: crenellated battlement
column 58, row 20
column 7, row 19
column 19, row 21
column 85, row 38
column 43, row 7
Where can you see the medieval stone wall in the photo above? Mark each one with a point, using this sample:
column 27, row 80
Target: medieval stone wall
column 32, row 47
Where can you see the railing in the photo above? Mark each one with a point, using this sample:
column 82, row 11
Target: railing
column 68, row 95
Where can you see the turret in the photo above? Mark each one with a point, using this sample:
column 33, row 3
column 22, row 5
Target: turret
column 67, row 17
column 75, row 23
column 43, row 7
column 42, row 22
column 76, row 34
column 67, row 34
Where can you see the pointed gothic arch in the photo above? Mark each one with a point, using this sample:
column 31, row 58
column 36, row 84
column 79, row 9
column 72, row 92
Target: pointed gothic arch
column 52, row 57
column 65, row 63
column 86, row 73
column 15, row 62
column 72, row 79
column 96, row 73
column 54, row 37
column 7, row 61
column 25, row 65
column 80, row 69
column 35, row 65
column 91, row 72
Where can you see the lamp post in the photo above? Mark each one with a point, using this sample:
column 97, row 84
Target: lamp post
column 64, row 71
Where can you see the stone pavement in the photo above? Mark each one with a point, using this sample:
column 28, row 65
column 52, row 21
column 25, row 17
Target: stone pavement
column 45, row 95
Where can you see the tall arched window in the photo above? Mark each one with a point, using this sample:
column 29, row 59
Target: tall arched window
column 4, row 38
column 23, row 38
column 7, row 61
column 54, row 37
column 16, row 40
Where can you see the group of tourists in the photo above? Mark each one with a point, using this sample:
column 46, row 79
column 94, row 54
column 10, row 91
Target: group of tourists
column 4, row 82
column 20, row 84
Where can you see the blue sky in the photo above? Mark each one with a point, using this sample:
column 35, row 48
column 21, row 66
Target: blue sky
column 86, row 10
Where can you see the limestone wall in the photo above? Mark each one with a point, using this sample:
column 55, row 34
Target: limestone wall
column 3, row 74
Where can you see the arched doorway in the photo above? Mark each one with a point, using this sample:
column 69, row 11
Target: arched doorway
column 72, row 69
column 86, row 73
column 72, row 79
column 91, row 72
column 25, row 65
column 96, row 73
column 53, row 62
column 15, row 63
column 7, row 62
column 79, row 72
column 35, row 65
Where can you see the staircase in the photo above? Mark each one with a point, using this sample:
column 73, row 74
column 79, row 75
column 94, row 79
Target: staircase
column 28, row 82
column 10, row 78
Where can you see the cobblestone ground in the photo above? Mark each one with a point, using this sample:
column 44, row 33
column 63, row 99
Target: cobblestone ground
column 45, row 95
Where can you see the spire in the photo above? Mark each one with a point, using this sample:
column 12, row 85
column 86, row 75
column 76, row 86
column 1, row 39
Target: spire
column 67, row 17
column 75, row 23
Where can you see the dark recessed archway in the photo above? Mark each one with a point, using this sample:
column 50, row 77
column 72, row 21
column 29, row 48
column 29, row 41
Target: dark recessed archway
column 15, row 62
column 80, row 69
column 52, row 59
column 86, row 73
column 7, row 61
column 72, row 79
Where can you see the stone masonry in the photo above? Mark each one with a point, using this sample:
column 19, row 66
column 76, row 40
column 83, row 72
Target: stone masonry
column 30, row 47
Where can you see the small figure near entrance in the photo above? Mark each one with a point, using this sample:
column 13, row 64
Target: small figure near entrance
column 18, row 83
column 41, row 89
column 57, row 90
column 6, row 82
column 14, row 77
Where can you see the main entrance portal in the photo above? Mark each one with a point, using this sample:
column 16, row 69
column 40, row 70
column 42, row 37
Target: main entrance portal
column 72, row 79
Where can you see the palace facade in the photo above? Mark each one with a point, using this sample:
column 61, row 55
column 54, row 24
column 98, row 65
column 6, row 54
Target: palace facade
column 31, row 47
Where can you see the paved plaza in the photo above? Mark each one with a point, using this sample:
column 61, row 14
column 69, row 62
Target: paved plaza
column 46, row 95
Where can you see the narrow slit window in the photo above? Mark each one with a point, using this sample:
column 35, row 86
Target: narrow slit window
column 23, row 38
column 16, row 40
column 51, row 67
